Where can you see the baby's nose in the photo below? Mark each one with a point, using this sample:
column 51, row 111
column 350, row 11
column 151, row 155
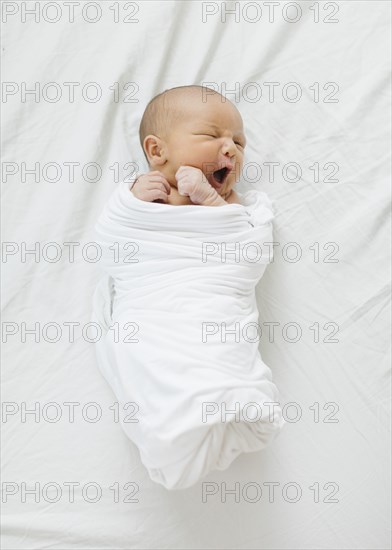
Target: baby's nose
column 229, row 148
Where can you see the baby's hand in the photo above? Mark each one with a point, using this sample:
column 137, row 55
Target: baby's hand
column 192, row 183
column 152, row 187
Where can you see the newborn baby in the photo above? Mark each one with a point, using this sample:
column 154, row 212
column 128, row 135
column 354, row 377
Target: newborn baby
column 177, row 305
column 193, row 140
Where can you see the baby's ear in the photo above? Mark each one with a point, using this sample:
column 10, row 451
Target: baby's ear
column 152, row 146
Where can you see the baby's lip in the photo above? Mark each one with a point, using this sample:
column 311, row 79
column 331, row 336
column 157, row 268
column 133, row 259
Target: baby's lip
column 218, row 182
column 225, row 164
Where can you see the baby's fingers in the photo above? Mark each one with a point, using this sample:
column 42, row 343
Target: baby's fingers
column 159, row 178
column 160, row 191
column 183, row 186
column 156, row 195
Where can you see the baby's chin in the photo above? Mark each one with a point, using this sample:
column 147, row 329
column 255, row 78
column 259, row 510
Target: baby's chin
column 225, row 192
column 220, row 187
column 223, row 189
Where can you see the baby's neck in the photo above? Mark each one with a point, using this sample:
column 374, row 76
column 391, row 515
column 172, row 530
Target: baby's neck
column 176, row 199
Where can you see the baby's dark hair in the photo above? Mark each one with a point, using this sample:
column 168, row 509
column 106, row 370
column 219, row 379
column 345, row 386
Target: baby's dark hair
column 165, row 109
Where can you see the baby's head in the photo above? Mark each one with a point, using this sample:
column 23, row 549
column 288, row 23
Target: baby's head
column 194, row 126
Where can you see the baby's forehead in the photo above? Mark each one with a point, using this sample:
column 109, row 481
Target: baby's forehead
column 226, row 116
column 208, row 109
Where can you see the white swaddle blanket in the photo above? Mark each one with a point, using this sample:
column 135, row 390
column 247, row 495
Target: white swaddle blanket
column 180, row 330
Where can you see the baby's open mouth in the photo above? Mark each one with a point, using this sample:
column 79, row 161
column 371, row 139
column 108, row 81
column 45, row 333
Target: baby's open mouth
column 220, row 176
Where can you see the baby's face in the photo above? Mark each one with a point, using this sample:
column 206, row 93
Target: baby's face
column 209, row 136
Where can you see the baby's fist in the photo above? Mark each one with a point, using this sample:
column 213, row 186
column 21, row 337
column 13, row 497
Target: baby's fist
column 152, row 187
column 192, row 183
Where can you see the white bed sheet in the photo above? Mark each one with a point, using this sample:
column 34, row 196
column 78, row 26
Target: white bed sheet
column 171, row 45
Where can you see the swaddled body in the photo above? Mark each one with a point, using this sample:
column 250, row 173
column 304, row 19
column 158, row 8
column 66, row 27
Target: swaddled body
column 186, row 351
column 194, row 354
